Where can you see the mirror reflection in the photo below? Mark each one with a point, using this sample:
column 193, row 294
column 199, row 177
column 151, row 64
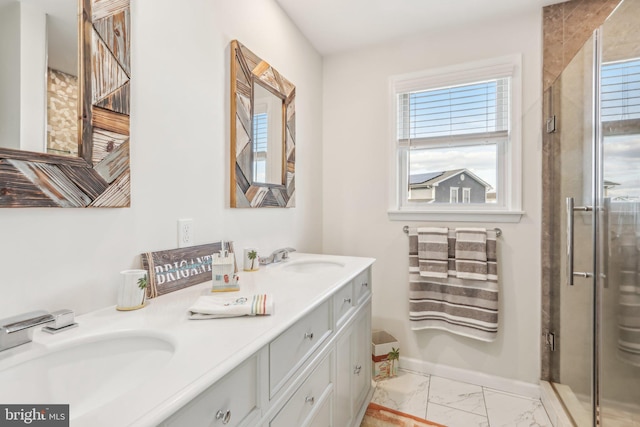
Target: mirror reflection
column 267, row 136
column 39, row 76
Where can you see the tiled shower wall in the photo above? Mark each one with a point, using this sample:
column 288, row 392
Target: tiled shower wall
column 566, row 27
column 62, row 113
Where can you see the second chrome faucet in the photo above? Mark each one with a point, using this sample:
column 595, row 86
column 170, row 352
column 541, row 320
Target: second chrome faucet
column 276, row 256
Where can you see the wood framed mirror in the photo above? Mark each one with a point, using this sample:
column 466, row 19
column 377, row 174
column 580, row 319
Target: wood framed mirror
column 262, row 133
column 99, row 175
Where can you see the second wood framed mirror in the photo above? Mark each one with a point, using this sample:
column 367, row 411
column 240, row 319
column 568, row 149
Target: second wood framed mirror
column 262, row 133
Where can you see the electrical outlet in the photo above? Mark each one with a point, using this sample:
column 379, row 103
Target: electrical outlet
column 185, row 233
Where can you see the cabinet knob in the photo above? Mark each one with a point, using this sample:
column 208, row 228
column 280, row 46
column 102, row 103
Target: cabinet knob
column 309, row 399
column 347, row 300
column 365, row 284
column 225, row 416
column 357, row 369
column 308, row 335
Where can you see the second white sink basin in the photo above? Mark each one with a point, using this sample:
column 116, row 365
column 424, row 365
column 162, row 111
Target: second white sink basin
column 86, row 373
column 312, row 266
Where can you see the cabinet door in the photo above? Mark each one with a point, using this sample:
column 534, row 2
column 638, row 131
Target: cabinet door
column 344, row 360
column 361, row 372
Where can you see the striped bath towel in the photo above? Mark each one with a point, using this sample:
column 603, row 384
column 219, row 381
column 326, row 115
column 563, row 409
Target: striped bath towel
column 626, row 273
column 463, row 306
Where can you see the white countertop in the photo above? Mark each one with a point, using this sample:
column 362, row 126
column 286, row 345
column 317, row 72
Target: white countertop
column 205, row 350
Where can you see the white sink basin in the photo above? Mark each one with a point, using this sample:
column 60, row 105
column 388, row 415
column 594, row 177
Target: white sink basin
column 86, row 373
column 312, row 266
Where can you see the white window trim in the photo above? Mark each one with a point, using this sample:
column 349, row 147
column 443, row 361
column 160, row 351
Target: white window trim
column 466, row 194
column 511, row 179
column 453, row 190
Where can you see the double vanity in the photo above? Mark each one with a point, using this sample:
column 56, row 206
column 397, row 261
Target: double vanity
column 307, row 364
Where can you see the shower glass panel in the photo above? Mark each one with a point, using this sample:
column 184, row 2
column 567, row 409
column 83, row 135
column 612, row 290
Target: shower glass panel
column 596, row 151
column 619, row 194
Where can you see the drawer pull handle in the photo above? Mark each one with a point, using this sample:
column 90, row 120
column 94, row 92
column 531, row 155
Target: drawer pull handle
column 224, row 416
column 347, row 300
column 308, row 336
column 357, row 369
column 365, row 284
column 309, row 399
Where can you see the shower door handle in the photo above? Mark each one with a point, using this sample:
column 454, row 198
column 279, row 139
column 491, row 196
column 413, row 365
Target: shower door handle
column 571, row 208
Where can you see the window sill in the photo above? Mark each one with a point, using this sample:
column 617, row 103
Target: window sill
column 456, row 216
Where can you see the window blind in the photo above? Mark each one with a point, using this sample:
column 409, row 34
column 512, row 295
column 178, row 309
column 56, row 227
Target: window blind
column 478, row 109
column 620, row 90
column 260, row 137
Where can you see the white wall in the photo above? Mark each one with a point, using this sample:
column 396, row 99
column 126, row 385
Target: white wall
column 10, row 75
column 355, row 182
column 33, row 78
column 71, row 258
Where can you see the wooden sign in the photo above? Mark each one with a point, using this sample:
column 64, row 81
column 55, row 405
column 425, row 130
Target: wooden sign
column 176, row 269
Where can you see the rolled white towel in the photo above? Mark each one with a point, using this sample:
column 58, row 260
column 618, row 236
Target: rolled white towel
column 215, row 307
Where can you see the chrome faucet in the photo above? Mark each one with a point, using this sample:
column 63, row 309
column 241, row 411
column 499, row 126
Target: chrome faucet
column 276, row 256
column 18, row 330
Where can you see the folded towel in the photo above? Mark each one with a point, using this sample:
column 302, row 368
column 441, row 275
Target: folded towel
column 471, row 253
column 433, row 247
column 215, row 307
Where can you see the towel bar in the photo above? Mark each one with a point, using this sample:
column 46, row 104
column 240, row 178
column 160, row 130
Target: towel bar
column 497, row 230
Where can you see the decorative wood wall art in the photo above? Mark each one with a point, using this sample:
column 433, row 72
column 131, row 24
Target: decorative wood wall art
column 176, row 269
column 247, row 68
column 99, row 177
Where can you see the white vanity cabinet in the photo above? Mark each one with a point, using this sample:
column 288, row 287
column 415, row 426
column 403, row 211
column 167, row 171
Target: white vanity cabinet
column 315, row 373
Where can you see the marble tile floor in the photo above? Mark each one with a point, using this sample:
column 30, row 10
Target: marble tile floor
column 457, row 404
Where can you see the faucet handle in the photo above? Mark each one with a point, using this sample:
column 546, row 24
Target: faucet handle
column 62, row 320
column 286, row 253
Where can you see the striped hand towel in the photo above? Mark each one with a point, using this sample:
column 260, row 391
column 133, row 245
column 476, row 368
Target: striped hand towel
column 461, row 306
column 433, row 253
column 471, row 253
column 215, row 307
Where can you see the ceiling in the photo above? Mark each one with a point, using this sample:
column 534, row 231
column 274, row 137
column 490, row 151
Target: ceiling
column 339, row 25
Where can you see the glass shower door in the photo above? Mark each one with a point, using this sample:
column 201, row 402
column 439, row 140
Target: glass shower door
column 573, row 238
column 619, row 233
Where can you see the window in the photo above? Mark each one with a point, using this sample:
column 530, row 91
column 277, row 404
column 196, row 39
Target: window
column 466, row 195
column 620, row 113
column 453, row 195
column 456, row 128
column 260, row 133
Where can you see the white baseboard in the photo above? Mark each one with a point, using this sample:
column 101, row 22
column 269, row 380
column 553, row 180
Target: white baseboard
column 473, row 377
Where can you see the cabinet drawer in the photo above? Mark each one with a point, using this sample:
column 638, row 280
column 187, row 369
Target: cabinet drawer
column 343, row 303
column 296, row 411
column 322, row 418
column 289, row 351
column 234, row 397
column 362, row 285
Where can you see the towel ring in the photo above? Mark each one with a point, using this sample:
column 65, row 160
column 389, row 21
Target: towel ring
column 497, row 230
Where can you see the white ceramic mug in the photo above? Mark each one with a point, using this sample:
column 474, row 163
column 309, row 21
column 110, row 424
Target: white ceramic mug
column 131, row 295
